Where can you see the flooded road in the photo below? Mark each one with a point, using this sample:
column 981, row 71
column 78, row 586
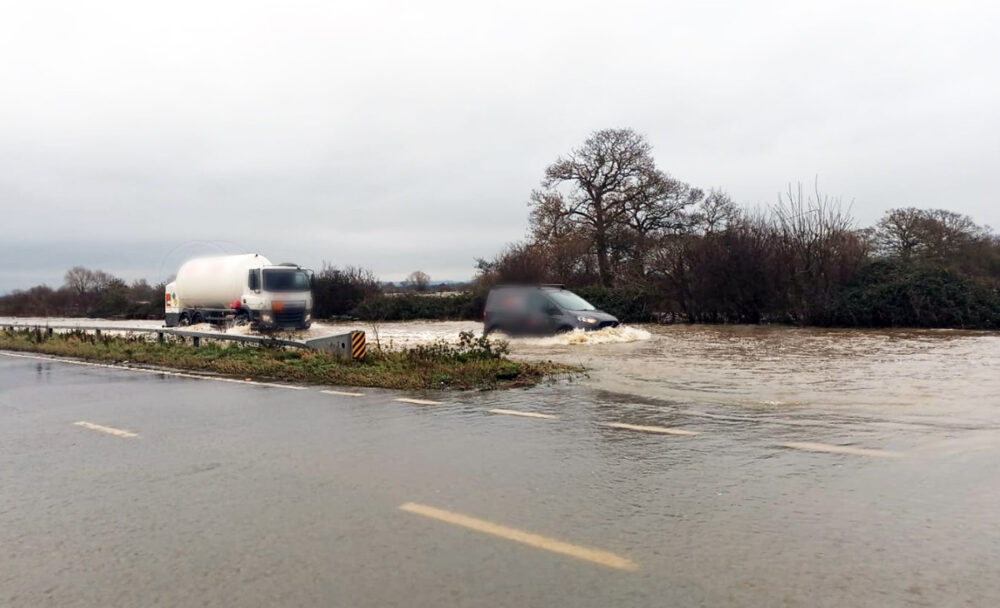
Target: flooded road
column 692, row 466
column 950, row 375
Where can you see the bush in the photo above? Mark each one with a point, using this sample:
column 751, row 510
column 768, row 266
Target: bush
column 337, row 292
column 893, row 293
column 406, row 307
column 469, row 348
column 629, row 305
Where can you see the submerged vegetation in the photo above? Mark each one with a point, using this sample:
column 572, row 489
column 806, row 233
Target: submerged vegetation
column 472, row 363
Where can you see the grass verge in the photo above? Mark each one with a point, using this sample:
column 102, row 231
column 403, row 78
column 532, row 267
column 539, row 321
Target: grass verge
column 475, row 363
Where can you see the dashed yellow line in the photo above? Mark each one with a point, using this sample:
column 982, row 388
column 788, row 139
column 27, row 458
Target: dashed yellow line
column 418, row 401
column 840, row 449
column 107, row 429
column 649, row 429
column 524, row 414
column 596, row 556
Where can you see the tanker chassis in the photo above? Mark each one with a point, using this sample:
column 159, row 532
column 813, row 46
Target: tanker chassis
column 242, row 290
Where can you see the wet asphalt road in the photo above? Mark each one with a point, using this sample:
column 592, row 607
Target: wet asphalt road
column 234, row 494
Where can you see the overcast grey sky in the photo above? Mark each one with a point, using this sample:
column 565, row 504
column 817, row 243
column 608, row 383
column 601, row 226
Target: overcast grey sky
column 404, row 136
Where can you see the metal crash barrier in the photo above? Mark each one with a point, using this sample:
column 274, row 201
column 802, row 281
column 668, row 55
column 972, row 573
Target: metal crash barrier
column 352, row 344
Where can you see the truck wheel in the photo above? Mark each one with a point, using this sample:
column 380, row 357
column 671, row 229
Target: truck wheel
column 197, row 318
column 241, row 319
column 183, row 320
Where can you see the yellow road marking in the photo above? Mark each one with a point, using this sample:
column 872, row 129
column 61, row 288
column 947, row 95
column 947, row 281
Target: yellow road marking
column 418, row 401
column 107, row 429
column 596, row 556
column 839, row 449
column 649, row 429
column 343, row 393
column 525, row 414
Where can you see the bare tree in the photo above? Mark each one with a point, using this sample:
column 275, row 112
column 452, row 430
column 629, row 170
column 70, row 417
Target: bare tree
column 418, row 280
column 81, row 280
column 715, row 212
column 933, row 234
column 608, row 190
column 897, row 233
column 819, row 246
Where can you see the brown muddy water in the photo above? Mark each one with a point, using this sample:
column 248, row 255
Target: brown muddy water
column 949, row 373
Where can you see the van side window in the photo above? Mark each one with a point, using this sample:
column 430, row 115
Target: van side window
column 538, row 303
column 254, row 281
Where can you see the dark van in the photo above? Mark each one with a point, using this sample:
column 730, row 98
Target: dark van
column 540, row 310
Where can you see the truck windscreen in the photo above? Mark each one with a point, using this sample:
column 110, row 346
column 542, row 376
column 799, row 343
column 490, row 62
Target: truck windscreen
column 285, row 280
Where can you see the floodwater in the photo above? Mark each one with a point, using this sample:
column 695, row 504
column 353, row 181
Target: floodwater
column 898, row 378
column 951, row 376
column 949, row 373
column 901, row 374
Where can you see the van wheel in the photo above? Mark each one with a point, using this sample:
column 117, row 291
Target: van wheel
column 488, row 330
column 564, row 329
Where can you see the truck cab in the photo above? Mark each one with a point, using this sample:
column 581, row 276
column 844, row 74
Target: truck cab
column 277, row 297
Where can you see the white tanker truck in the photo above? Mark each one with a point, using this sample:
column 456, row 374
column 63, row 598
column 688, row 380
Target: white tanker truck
column 240, row 289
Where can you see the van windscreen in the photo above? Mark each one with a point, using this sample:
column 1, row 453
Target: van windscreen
column 568, row 300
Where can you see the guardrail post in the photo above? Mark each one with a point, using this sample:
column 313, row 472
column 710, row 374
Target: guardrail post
column 48, row 332
column 351, row 344
column 196, row 341
column 159, row 337
column 97, row 333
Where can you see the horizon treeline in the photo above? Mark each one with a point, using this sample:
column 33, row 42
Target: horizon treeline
column 338, row 292
column 646, row 246
column 606, row 222
column 87, row 293
column 800, row 262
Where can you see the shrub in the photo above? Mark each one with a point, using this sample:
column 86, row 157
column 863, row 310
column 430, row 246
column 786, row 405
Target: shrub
column 894, row 293
column 339, row 291
column 629, row 305
column 469, row 348
column 405, row 307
